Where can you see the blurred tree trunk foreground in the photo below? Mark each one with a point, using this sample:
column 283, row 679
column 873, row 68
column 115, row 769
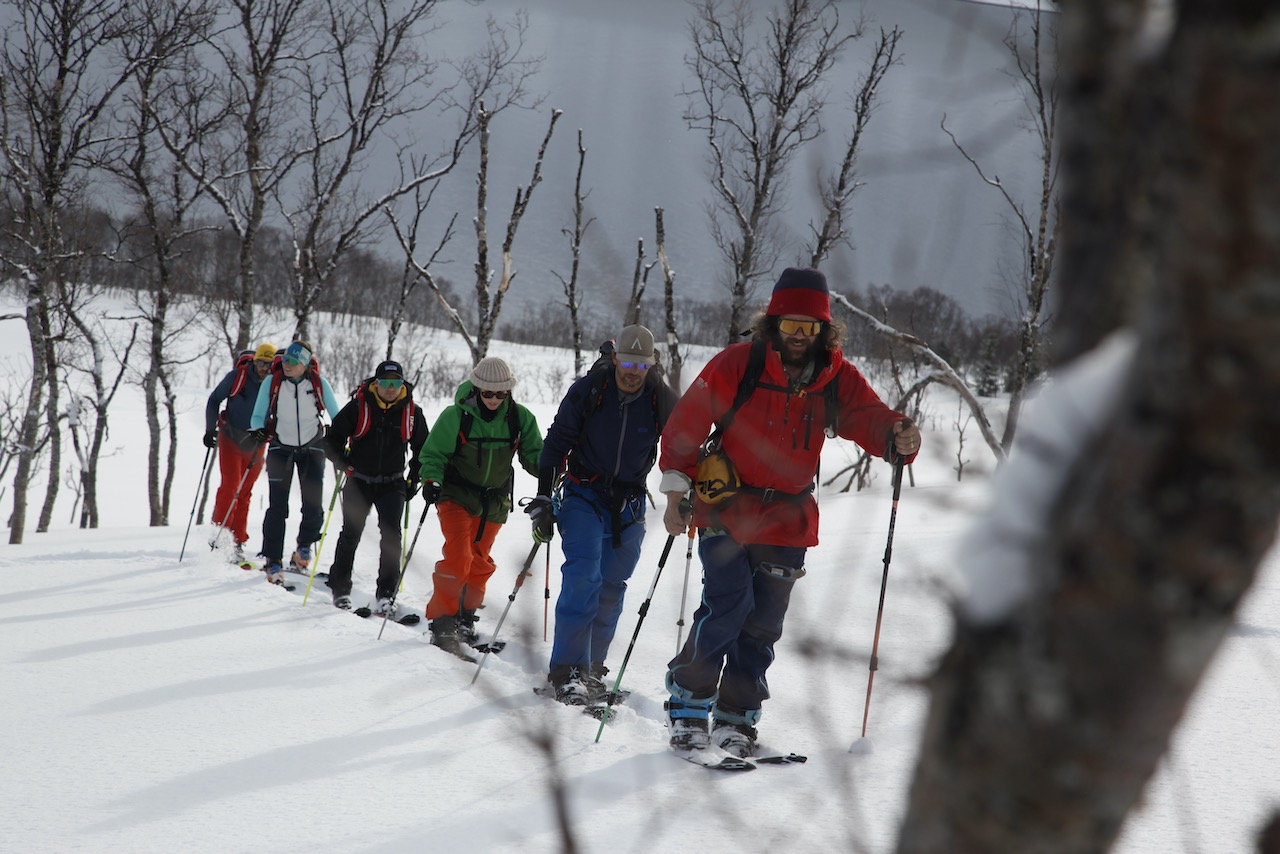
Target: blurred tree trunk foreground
column 1046, row 723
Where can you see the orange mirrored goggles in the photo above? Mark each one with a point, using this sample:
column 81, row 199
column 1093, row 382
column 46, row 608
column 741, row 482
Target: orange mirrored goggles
column 808, row 328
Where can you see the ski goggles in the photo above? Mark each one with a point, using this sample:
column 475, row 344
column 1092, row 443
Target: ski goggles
column 296, row 354
column 807, row 328
column 634, row 366
column 490, row 395
column 390, row 383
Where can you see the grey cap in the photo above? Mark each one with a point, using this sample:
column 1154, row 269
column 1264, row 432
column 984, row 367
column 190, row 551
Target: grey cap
column 635, row 344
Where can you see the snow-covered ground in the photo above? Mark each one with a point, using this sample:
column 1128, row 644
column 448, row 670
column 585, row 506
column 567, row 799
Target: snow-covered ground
column 157, row 705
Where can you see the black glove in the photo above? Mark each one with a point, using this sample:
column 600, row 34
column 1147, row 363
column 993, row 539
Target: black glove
column 262, row 434
column 431, row 491
column 211, row 439
column 411, row 487
column 543, row 515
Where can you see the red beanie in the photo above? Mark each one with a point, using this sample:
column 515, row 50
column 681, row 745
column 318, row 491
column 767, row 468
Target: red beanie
column 801, row 291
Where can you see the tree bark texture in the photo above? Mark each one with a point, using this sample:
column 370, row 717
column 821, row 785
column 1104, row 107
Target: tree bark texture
column 1045, row 726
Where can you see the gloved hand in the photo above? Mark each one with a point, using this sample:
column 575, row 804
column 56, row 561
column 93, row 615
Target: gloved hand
column 543, row 515
column 431, row 491
column 211, row 439
column 262, row 435
column 411, row 487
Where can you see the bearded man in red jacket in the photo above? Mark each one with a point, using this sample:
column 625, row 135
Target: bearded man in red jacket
column 752, row 544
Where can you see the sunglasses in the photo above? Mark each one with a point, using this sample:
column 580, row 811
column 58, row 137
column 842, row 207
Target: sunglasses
column 390, row 383
column 292, row 362
column 639, row 366
column 807, row 328
column 490, row 395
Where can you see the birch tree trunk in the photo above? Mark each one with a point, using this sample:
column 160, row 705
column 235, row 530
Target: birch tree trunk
column 1048, row 718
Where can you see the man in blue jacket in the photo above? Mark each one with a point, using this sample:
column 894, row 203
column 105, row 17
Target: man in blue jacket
column 599, row 450
column 240, row 454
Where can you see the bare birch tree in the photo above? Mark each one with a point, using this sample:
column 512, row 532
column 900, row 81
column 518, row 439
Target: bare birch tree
column 234, row 125
column 759, row 102
column 581, row 222
column 165, row 198
column 96, row 367
column 1034, row 54
column 675, row 358
column 1122, row 565
column 410, row 274
column 366, row 81
column 57, row 83
column 489, row 294
column 836, row 190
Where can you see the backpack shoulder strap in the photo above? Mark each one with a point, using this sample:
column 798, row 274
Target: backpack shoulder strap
column 831, row 405
column 243, row 364
column 313, row 371
column 599, row 374
column 513, row 423
column 464, row 425
column 364, row 414
column 747, row 384
column 407, row 418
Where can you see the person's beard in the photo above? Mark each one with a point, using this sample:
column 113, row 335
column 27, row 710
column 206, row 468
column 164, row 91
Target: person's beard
column 793, row 358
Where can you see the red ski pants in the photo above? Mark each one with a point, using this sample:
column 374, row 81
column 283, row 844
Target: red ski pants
column 465, row 567
column 233, row 462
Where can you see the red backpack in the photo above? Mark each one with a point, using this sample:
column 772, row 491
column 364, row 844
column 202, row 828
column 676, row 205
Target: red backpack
column 244, row 364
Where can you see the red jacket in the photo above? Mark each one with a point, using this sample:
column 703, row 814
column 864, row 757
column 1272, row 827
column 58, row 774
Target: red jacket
column 774, row 441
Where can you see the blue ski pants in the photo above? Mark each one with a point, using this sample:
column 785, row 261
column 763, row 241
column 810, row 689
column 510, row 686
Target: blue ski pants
column 593, row 579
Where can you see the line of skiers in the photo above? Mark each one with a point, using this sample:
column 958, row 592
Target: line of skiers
column 738, row 454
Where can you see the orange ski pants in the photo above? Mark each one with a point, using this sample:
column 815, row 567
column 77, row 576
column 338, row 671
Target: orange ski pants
column 465, row 567
column 236, row 466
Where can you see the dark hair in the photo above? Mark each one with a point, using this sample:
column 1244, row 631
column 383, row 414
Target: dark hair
column 765, row 327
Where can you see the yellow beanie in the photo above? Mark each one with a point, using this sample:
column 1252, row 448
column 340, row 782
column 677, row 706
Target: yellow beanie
column 265, row 352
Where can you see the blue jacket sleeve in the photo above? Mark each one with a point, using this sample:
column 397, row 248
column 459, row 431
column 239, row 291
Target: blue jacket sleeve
column 330, row 402
column 219, row 394
column 259, row 418
column 565, row 429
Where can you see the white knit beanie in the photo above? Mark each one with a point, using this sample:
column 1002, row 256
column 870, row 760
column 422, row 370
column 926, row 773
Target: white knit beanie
column 493, row 374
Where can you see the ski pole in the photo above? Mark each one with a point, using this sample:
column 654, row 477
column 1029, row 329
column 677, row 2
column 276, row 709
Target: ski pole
column 644, row 609
column 684, row 590
column 884, row 583
column 524, row 571
column 235, row 499
column 315, row 558
column 546, row 597
column 404, row 561
column 414, row 544
column 204, row 472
